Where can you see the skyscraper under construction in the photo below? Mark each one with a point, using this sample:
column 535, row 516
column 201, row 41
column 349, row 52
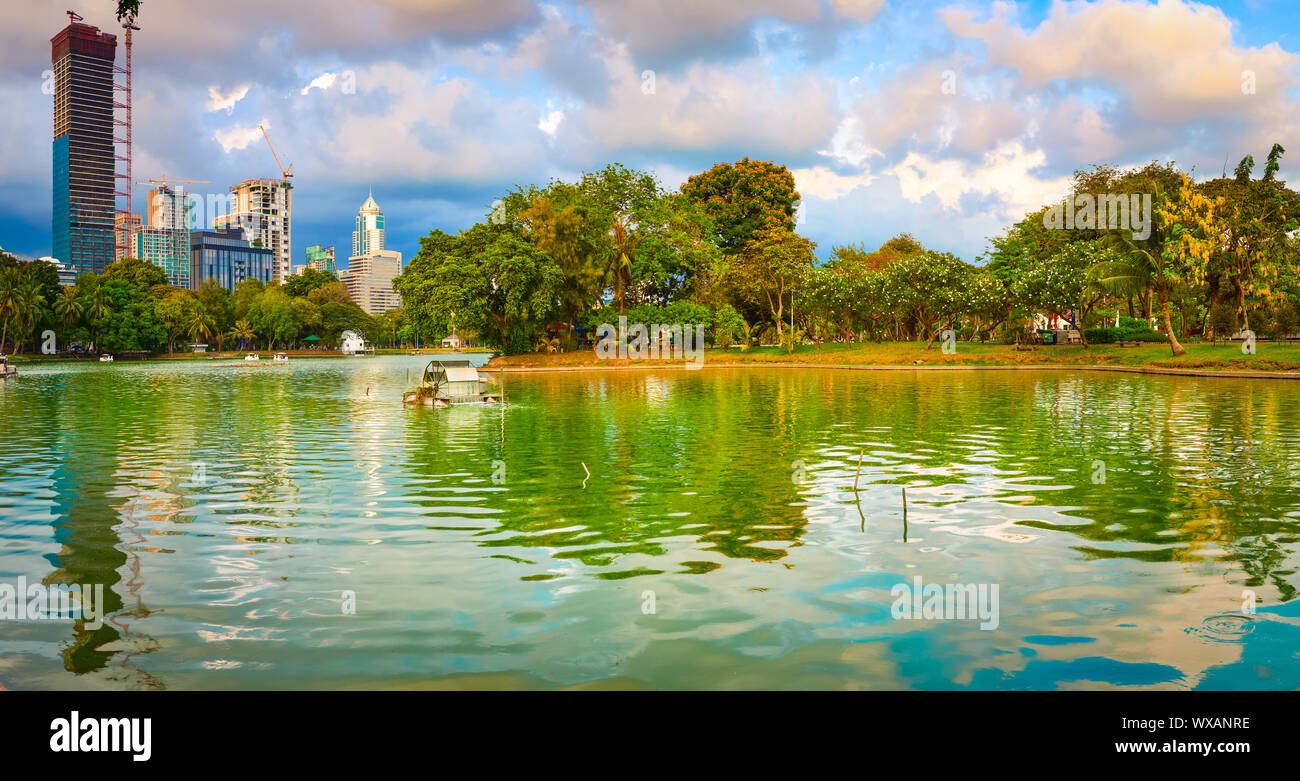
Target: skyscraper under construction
column 84, row 164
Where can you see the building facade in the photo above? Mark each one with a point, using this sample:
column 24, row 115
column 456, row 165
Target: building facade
column 125, row 226
column 263, row 208
column 165, row 241
column 84, row 154
column 226, row 256
column 369, row 234
column 369, row 279
column 321, row 259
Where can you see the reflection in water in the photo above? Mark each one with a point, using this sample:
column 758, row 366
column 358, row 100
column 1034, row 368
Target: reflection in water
column 228, row 508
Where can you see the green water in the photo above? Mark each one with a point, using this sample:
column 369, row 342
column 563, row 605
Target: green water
column 716, row 543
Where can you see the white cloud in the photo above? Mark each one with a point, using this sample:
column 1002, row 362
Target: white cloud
column 1174, row 60
column 823, row 183
column 668, row 28
column 237, row 137
column 550, row 123
column 321, row 82
column 1005, row 174
column 737, row 106
column 219, row 101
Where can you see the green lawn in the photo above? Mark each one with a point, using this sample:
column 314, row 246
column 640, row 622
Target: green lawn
column 1224, row 356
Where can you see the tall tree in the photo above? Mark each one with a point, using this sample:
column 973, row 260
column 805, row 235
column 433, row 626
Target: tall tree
column 774, row 264
column 744, row 198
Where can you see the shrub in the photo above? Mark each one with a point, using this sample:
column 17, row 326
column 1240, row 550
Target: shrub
column 1112, row 335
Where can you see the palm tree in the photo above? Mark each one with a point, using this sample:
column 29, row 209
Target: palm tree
column 8, row 301
column 96, row 310
column 1137, row 271
column 243, row 331
column 201, row 325
column 29, row 306
column 619, row 267
column 67, row 306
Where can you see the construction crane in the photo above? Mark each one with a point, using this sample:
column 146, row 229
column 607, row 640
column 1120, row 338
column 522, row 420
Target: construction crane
column 165, row 181
column 285, row 173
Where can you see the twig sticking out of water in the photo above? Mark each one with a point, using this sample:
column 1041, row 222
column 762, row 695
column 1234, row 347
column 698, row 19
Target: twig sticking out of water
column 904, row 513
column 859, row 474
column 588, row 471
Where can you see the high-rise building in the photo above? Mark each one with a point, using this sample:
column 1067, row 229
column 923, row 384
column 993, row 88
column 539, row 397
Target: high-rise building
column 226, row 256
column 369, row 279
column 369, row 234
column 165, row 241
column 84, row 157
column 125, row 226
column 321, row 259
column 262, row 207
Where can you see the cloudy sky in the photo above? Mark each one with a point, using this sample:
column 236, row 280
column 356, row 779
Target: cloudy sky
column 948, row 119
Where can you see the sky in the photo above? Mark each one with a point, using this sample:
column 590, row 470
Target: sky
column 949, row 120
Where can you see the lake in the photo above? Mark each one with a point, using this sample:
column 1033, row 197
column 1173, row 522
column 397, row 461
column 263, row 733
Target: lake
column 297, row 527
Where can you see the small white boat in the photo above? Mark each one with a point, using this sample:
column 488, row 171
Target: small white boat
column 252, row 357
column 106, row 358
column 7, row 369
column 281, row 358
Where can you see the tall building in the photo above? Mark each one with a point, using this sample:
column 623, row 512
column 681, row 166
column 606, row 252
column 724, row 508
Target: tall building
column 165, row 241
column 369, row 279
column 262, row 207
column 321, row 259
column 84, row 156
column 226, row 256
column 125, row 226
column 369, row 234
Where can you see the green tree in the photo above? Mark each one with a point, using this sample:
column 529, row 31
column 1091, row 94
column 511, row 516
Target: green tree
column 218, row 304
column 491, row 279
column 930, row 289
column 131, row 322
column 68, row 307
column 299, row 285
column 335, row 292
column 8, row 301
column 202, row 326
column 246, row 292
column 271, row 316
column 243, row 333
column 743, row 199
column 772, row 266
column 175, row 313
column 141, row 273
column 307, row 315
column 28, row 308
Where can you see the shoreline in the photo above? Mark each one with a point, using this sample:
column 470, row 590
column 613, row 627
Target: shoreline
column 677, row 366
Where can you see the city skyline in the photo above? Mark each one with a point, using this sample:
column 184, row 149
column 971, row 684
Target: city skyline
column 892, row 116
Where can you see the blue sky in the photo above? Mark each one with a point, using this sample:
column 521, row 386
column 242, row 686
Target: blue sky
column 949, row 120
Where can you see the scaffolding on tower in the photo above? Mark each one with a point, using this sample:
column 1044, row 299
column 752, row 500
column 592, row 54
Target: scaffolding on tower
column 122, row 237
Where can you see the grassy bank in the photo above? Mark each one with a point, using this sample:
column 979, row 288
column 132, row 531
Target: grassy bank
column 1201, row 357
column 431, row 350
